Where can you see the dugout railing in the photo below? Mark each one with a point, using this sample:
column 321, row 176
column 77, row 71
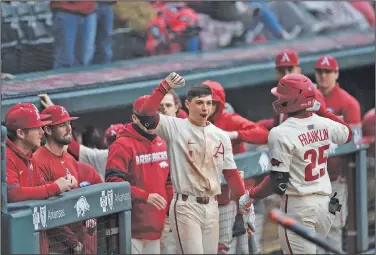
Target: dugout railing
column 109, row 204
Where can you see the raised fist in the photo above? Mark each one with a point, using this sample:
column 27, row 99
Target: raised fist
column 174, row 80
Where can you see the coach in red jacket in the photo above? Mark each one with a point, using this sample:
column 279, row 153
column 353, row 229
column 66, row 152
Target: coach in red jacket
column 240, row 130
column 24, row 180
column 140, row 157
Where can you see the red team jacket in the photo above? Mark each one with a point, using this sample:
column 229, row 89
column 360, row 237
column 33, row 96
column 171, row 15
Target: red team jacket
column 25, row 182
column 22, row 174
column 53, row 167
column 341, row 103
column 247, row 130
column 144, row 164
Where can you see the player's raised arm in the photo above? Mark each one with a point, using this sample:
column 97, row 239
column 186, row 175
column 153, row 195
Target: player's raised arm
column 148, row 115
column 172, row 81
column 340, row 131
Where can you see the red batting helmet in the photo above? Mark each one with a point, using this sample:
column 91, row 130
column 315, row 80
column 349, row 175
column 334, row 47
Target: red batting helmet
column 295, row 92
column 111, row 133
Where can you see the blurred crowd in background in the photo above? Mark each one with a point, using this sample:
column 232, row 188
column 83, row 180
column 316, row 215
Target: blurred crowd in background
column 44, row 35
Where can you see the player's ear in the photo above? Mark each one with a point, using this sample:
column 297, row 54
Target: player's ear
column 336, row 75
column 186, row 102
column 47, row 130
column 134, row 118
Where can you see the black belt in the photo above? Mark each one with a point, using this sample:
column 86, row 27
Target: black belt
column 200, row 200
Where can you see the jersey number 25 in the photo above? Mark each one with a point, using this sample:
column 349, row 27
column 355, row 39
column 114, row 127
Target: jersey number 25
column 317, row 158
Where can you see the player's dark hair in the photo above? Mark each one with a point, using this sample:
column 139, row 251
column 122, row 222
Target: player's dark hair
column 12, row 134
column 198, row 90
column 176, row 98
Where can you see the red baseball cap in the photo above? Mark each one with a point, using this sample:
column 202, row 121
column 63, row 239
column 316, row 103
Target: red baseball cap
column 112, row 131
column 21, row 105
column 139, row 102
column 58, row 114
column 327, row 62
column 25, row 118
column 287, row 58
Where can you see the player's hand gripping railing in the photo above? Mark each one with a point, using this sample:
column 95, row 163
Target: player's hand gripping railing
column 287, row 222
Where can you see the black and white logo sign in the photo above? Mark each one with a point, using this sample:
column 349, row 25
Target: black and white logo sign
column 40, row 216
column 82, row 206
column 107, row 200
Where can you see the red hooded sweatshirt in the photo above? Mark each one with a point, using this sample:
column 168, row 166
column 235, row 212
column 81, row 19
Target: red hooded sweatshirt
column 247, row 130
column 25, row 182
column 144, row 164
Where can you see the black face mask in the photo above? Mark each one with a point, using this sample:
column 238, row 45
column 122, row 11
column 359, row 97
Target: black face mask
column 143, row 133
column 149, row 122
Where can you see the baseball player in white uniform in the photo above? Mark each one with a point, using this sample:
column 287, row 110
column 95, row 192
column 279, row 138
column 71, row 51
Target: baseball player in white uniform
column 299, row 150
column 199, row 153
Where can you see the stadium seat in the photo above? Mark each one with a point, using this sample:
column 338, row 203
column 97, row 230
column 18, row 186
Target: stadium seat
column 8, row 12
column 24, row 10
column 38, row 48
column 127, row 44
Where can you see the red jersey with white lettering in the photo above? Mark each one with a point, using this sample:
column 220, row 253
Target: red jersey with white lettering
column 300, row 146
column 53, row 167
column 145, row 165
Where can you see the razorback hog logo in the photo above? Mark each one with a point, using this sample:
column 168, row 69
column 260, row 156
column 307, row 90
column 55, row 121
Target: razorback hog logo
column 163, row 164
column 82, row 206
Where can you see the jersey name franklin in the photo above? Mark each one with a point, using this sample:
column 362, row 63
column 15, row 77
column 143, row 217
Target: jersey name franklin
column 152, row 157
column 314, row 136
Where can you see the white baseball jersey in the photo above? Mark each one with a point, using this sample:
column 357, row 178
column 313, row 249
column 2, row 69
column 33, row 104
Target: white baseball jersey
column 197, row 155
column 302, row 147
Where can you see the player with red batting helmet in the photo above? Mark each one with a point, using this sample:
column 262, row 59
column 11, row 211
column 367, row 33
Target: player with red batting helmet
column 286, row 62
column 298, row 150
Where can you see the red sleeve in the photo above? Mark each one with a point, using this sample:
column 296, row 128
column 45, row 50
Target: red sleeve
column 323, row 112
column 96, row 178
column 249, row 131
column 16, row 193
column 352, row 114
column 151, row 105
column 267, row 123
column 263, row 190
column 117, row 170
column 320, row 98
column 74, row 149
column 234, row 182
